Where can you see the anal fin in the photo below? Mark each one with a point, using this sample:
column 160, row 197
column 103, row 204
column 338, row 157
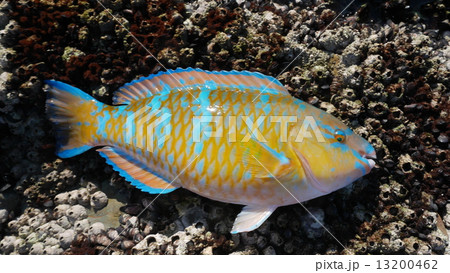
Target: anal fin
column 134, row 172
column 251, row 217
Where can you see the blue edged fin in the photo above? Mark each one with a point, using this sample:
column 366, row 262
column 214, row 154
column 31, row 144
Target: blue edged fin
column 183, row 79
column 135, row 172
column 251, row 218
column 65, row 106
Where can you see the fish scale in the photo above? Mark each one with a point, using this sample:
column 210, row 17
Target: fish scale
column 158, row 137
column 218, row 173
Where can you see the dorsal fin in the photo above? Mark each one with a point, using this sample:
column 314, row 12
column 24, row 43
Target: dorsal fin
column 181, row 79
column 138, row 175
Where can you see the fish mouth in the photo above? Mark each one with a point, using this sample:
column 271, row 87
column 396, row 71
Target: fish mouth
column 370, row 159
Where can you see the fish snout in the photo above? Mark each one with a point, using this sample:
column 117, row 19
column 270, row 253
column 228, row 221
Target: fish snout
column 371, row 157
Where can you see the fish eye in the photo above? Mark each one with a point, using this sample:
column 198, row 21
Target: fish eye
column 339, row 135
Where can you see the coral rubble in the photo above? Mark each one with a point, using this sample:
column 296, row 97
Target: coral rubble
column 383, row 72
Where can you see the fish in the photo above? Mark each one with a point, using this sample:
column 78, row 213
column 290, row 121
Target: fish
column 232, row 136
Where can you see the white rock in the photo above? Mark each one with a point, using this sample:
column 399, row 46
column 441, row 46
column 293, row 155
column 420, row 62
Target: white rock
column 73, row 197
column 14, row 225
column 157, row 240
column 112, row 234
column 43, row 230
column 23, row 219
column 36, row 221
column 132, row 222
column 32, row 238
column 447, row 220
column 3, row 216
column 66, row 238
column 184, row 239
column 55, row 228
column 83, row 197
column 81, row 225
column 76, row 212
column 20, row 246
column 64, row 222
column 24, row 231
column 37, row 249
column 91, row 187
column 99, row 200
column 334, row 39
column 51, row 241
column 96, row 228
column 141, row 246
column 60, row 210
column 52, row 250
column 375, row 61
column 61, row 198
column 7, row 244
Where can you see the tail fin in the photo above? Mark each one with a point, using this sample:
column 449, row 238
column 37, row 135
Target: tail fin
column 71, row 111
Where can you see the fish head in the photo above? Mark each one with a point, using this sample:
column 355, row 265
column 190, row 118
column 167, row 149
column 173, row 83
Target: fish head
column 332, row 155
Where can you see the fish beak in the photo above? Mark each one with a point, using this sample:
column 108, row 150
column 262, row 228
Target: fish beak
column 371, row 158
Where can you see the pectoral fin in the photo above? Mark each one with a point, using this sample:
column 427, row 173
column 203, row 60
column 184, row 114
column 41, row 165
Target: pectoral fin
column 309, row 173
column 262, row 161
column 251, row 218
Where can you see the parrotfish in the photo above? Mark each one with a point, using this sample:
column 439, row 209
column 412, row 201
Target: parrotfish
column 236, row 137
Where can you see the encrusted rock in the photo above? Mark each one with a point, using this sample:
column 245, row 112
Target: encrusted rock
column 99, row 200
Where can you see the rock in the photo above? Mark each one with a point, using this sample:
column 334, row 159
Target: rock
column 112, row 234
column 269, row 251
column 96, row 228
column 3, row 216
column 75, row 213
column 7, row 244
column 312, row 226
column 208, row 251
column 66, row 238
column 64, row 222
column 24, row 231
column 132, row 221
column 70, row 52
column 37, row 249
column 60, row 210
column 386, row 78
column 83, row 197
column 52, row 250
column 333, row 39
column 72, row 197
column 51, row 241
column 61, row 198
column 21, row 246
column 99, row 200
column 81, row 225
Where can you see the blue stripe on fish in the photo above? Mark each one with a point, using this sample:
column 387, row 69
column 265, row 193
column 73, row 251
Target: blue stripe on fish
column 68, row 88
